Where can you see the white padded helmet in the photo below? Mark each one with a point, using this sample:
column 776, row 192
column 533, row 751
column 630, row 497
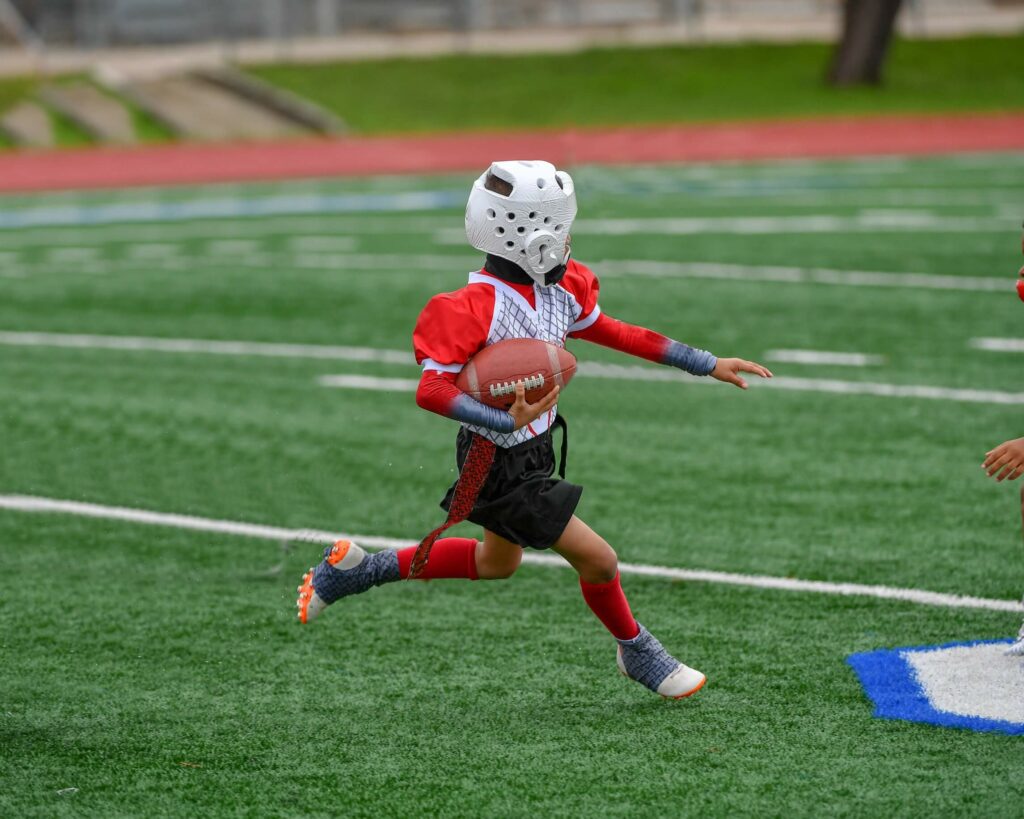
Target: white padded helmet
column 530, row 224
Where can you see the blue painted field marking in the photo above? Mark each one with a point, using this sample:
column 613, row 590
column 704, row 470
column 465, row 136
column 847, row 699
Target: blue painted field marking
column 892, row 684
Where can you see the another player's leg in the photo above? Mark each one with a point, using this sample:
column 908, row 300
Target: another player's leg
column 347, row 569
column 640, row 656
column 1017, row 647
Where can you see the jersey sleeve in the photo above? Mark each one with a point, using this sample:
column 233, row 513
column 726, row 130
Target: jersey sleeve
column 644, row 343
column 453, row 327
column 581, row 282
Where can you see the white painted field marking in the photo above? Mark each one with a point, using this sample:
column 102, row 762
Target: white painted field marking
column 799, row 275
column 28, row 503
column 369, row 382
column 823, row 357
column 973, row 681
column 756, row 225
column 70, row 255
column 586, row 368
column 233, row 247
column 775, row 225
column 187, row 345
column 999, row 345
column 257, row 206
column 321, row 243
column 152, row 250
column 637, row 373
column 222, row 228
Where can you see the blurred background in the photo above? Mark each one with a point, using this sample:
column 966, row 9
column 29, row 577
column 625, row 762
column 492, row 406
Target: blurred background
column 75, row 72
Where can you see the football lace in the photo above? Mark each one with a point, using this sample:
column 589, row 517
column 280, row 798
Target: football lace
column 531, row 382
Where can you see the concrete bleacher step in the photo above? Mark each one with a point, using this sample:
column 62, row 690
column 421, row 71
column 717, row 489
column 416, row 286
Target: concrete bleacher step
column 28, row 124
column 301, row 111
column 195, row 109
column 98, row 114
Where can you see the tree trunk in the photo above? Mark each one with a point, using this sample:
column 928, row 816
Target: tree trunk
column 867, row 30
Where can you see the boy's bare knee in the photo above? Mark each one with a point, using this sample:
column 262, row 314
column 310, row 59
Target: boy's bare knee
column 502, row 568
column 601, row 567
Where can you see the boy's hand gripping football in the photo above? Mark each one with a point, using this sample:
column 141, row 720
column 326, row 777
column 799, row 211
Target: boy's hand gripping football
column 524, row 413
column 729, row 369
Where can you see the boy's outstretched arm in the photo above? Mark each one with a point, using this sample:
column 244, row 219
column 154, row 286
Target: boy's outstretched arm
column 652, row 346
column 437, row 393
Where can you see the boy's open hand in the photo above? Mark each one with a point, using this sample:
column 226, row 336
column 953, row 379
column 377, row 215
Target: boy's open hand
column 524, row 413
column 1006, row 461
column 729, row 369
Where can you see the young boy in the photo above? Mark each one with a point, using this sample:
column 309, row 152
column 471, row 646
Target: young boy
column 520, row 215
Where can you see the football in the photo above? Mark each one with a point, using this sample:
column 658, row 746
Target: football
column 491, row 375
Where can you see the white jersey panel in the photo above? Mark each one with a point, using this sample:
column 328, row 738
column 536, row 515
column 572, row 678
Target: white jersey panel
column 557, row 310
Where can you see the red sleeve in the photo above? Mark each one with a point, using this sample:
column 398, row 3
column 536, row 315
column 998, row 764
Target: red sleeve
column 626, row 338
column 437, row 392
column 453, row 327
column 581, row 282
column 644, row 343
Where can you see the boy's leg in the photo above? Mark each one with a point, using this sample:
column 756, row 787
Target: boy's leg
column 640, row 656
column 496, row 557
column 346, row 569
column 1017, row 647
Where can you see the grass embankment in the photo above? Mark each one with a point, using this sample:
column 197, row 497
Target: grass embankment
column 677, row 84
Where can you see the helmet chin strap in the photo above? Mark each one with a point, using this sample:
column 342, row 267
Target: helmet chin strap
column 511, row 272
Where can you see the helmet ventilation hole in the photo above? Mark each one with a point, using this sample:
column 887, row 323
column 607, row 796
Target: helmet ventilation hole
column 510, row 244
column 557, row 228
column 520, row 230
column 510, row 216
column 490, row 213
column 547, row 220
column 499, row 231
column 541, row 182
column 533, row 215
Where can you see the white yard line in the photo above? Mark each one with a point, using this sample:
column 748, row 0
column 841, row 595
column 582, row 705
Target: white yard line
column 27, row 503
column 998, row 345
column 866, row 222
column 283, row 226
column 369, row 382
column 222, row 252
column 826, row 385
column 201, row 346
column 799, row 275
column 585, row 369
column 823, row 357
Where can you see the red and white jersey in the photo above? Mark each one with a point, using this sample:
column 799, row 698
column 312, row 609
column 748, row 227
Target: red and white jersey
column 454, row 327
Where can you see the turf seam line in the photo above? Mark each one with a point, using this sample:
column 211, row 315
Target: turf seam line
column 29, row 503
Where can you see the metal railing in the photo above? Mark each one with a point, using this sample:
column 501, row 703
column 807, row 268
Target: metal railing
column 104, row 23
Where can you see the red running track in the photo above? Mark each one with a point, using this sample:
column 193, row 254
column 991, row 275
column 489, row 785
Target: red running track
column 357, row 156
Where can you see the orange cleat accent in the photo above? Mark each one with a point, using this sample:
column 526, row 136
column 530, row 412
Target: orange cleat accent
column 690, row 693
column 305, row 595
column 338, row 552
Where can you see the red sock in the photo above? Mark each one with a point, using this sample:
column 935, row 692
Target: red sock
column 449, row 557
column 608, row 602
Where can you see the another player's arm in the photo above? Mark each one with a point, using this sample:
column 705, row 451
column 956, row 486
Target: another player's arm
column 437, row 393
column 1006, row 461
column 652, row 346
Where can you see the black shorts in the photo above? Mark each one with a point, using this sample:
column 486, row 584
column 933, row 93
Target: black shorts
column 521, row 501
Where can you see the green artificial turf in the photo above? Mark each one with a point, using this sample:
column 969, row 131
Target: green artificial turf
column 653, row 85
column 161, row 672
